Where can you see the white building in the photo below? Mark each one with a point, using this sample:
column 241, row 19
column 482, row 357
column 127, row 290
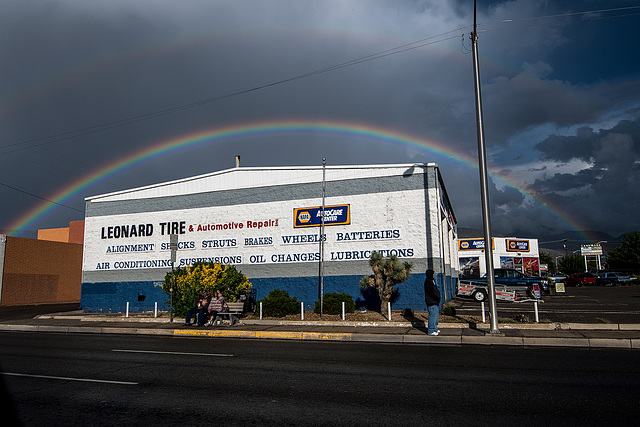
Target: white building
column 508, row 252
column 265, row 221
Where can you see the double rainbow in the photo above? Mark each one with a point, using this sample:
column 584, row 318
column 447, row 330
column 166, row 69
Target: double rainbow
column 262, row 128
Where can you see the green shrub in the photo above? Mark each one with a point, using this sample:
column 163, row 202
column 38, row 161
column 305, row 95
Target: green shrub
column 333, row 303
column 449, row 310
column 279, row 304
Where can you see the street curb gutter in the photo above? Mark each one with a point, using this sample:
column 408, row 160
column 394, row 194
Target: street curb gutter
column 443, row 325
column 84, row 329
column 416, row 339
column 631, row 343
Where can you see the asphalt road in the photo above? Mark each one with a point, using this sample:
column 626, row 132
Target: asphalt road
column 588, row 304
column 60, row 379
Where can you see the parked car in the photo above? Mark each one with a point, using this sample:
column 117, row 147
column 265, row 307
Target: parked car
column 514, row 280
column 612, row 278
column 580, row 279
column 479, row 291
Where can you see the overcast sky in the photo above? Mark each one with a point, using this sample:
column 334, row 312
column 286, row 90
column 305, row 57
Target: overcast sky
column 560, row 86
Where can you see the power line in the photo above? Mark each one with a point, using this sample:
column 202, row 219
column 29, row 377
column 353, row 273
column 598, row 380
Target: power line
column 38, row 197
column 393, row 51
column 544, row 24
column 123, row 122
column 567, row 14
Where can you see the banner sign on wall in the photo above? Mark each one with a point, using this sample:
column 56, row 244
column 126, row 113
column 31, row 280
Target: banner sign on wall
column 473, row 244
column 250, row 234
column 312, row 216
column 517, row 245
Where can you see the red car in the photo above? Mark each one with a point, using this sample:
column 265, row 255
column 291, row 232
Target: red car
column 580, row 279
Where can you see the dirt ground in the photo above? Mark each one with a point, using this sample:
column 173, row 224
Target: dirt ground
column 367, row 316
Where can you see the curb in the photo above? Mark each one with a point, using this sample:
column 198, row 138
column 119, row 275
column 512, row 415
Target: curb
column 620, row 343
column 569, row 326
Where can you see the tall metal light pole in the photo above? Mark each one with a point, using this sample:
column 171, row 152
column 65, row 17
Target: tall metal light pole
column 321, row 272
column 484, row 181
column 173, row 245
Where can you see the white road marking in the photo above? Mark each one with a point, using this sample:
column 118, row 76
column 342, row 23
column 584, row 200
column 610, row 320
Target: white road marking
column 88, row 380
column 174, row 352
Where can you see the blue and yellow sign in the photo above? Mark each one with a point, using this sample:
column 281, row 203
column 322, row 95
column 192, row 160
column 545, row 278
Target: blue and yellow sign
column 517, row 245
column 473, row 244
column 312, row 216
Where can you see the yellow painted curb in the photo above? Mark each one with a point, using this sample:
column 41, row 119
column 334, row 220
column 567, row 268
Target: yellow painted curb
column 235, row 334
column 326, row 336
column 265, row 334
column 279, row 334
column 190, row 332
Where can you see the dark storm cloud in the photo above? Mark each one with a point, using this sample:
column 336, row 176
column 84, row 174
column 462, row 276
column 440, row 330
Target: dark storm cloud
column 562, row 182
column 606, row 190
column 70, row 65
column 530, row 99
column 602, row 146
column 565, row 148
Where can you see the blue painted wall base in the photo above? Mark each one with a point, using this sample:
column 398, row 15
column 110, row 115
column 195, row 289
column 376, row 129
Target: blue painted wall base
column 112, row 297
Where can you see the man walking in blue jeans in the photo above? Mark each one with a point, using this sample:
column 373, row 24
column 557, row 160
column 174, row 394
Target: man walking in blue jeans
column 432, row 299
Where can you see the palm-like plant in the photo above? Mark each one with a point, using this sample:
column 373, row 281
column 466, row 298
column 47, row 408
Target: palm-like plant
column 386, row 274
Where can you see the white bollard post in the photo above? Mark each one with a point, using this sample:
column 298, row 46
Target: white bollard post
column 343, row 310
column 155, row 309
column 535, row 303
column 389, row 310
column 260, row 310
column 483, row 318
column 127, row 314
column 301, row 311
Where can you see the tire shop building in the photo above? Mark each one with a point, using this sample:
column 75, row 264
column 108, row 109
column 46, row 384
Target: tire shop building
column 267, row 222
column 508, row 252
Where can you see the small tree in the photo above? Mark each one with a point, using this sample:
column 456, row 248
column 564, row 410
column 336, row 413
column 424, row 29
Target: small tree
column 627, row 255
column 573, row 263
column 545, row 258
column 386, row 274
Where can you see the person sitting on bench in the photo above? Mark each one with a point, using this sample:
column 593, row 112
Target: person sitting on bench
column 217, row 305
column 200, row 309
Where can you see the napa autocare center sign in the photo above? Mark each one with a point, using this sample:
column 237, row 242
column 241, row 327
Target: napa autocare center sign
column 312, row 217
column 473, row 244
column 264, row 233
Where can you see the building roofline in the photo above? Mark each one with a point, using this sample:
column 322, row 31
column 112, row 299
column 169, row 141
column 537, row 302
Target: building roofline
column 261, row 168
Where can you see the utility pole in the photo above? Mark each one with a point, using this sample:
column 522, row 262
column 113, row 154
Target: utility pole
column 321, row 272
column 484, row 181
column 173, row 245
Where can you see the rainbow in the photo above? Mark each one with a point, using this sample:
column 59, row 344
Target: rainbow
column 262, row 128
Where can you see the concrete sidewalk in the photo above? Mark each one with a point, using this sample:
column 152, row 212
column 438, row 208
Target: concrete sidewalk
column 512, row 334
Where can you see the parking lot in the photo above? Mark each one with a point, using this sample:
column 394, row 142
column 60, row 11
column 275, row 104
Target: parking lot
column 589, row 304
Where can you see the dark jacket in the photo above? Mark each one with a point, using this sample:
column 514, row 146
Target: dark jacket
column 431, row 291
column 204, row 301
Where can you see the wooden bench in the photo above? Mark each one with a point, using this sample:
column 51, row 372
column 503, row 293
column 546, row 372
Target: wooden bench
column 235, row 310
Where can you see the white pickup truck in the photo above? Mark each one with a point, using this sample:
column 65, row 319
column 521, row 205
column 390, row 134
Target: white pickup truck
column 506, row 281
column 480, row 292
